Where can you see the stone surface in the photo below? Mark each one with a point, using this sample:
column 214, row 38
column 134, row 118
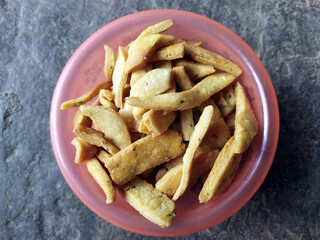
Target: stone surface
column 38, row 37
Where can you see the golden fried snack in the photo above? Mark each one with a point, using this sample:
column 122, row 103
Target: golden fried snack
column 204, row 56
column 142, row 50
column 84, row 150
column 109, row 62
column 143, row 154
column 170, row 181
column 195, row 70
column 102, row 178
column 119, row 77
column 196, row 137
column 246, row 125
column 170, row 52
column 103, row 118
column 85, row 97
column 149, row 202
column 95, row 137
column 186, row 99
column 80, row 119
column 157, row 122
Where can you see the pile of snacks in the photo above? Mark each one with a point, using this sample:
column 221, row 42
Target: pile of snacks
column 168, row 114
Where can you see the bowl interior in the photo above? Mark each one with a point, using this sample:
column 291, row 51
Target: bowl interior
column 85, row 69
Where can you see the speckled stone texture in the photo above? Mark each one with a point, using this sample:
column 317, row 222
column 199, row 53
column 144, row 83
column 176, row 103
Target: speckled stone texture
column 38, row 37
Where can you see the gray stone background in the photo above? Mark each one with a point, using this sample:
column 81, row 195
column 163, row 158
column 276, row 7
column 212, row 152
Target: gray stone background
column 38, row 37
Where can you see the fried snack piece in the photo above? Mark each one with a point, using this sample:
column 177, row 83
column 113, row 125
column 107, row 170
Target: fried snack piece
column 206, row 57
column 103, row 156
column 157, row 122
column 104, row 100
column 185, row 117
column 216, row 111
column 140, row 72
column 101, row 177
column 142, row 50
column 186, row 124
column 162, row 64
column 109, row 62
column 182, row 78
column 107, row 94
column 85, row 97
column 103, row 118
column 127, row 115
column 186, row 99
column 84, row 150
column 153, row 83
column 169, row 183
column 246, row 125
column 80, row 119
column 217, row 134
column 222, row 172
column 119, row 77
column 149, row 202
column 230, row 121
column 196, row 137
column 157, row 28
column 144, row 154
column 170, row 52
column 229, row 95
column 168, row 166
column 202, row 149
column 195, row 70
column 94, row 137
column 224, row 107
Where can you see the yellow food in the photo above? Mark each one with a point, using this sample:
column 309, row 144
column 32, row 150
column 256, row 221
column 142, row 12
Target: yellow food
column 222, row 173
column 144, row 154
column 101, row 177
column 95, row 137
column 204, row 56
column 149, row 202
column 104, row 118
column 246, row 125
column 162, row 114
column 186, row 99
column 196, row 137
column 85, row 97
column 84, row 150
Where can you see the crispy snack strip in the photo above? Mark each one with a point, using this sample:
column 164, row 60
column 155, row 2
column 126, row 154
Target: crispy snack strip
column 148, row 201
column 195, row 70
column 186, row 99
column 170, row 52
column 85, row 97
column 169, row 183
column 144, row 154
column 143, row 49
column 102, row 178
column 119, row 77
column 109, row 62
column 103, row 118
column 95, row 137
column 196, row 137
column 157, row 122
column 202, row 55
column 222, row 173
column 84, row 150
column 246, row 125
column 80, row 119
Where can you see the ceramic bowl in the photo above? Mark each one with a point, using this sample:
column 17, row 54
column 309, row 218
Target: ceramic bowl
column 84, row 70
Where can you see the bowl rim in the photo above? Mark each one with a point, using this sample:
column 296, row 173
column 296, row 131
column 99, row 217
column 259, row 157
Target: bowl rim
column 272, row 130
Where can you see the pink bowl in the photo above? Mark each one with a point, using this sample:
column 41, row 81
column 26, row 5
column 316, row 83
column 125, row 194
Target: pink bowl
column 84, row 70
